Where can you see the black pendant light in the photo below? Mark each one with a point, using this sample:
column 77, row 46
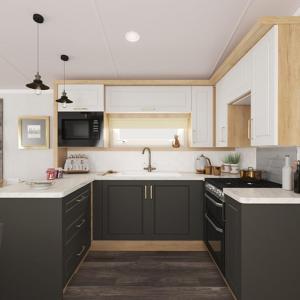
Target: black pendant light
column 37, row 83
column 64, row 98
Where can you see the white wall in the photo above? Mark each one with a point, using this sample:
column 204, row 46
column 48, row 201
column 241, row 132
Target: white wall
column 24, row 164
column 248, row 157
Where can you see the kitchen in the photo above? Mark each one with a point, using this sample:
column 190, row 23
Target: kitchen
column 131, row 180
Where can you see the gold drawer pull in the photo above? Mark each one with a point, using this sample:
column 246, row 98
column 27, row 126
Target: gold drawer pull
column 81, row 199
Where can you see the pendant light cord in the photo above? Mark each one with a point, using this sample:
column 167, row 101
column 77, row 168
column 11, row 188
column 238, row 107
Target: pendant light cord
column 38, row 48
column 64, row 76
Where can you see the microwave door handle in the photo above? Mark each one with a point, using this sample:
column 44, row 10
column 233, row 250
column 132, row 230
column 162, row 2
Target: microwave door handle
column 214, row 202
column 213, row 224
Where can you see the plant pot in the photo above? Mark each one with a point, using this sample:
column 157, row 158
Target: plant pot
column 235, row 168
column 226, row 168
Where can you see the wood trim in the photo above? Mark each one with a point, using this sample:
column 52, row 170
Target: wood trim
column 148, row 246
column 261, row 27
column 288, row 84
column 238, row 122
column 137, row 82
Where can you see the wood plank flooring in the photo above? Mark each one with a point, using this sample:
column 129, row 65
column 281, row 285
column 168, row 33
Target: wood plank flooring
column 147, row 275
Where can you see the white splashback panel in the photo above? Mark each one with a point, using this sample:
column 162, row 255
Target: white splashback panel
column 183, row 161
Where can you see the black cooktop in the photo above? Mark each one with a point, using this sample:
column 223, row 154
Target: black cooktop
column 221, row 183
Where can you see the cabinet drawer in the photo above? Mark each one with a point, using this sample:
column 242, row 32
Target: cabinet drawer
column 75, row 250
column 76, row 205
column 75, row 227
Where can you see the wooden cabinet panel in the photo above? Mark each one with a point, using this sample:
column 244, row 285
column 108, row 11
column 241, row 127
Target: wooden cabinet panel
column 202, row 116
column 85, row 97
column 148, row 99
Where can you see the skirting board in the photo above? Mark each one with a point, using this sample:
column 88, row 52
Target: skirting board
column 148, row 246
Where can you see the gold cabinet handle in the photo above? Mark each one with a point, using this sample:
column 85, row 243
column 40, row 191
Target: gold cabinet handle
column 249, row 129
column 145, row 192
column 151, row 192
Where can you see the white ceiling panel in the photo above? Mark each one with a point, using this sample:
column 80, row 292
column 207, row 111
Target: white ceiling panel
column 179, row 38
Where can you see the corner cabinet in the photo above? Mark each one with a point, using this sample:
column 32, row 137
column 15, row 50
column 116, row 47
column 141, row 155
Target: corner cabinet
column 202, row 116
column 85, row 97
column 148, row 210
column 135, row 99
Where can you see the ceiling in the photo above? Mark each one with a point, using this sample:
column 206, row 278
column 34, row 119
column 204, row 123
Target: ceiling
column 180, row 39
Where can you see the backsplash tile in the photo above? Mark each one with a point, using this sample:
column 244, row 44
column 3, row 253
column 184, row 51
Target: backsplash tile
column 271, row 161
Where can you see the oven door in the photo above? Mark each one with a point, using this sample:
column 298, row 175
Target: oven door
column 215, row 241
column 214, row 207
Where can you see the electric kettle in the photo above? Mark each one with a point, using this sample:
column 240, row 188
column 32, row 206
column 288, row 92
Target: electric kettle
column 201, row 162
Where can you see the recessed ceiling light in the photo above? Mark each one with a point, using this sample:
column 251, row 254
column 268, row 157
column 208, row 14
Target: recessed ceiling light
column 132, row 36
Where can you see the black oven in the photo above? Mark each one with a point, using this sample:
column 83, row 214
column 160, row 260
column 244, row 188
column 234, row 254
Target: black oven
column 214, row 226
column 79, row 129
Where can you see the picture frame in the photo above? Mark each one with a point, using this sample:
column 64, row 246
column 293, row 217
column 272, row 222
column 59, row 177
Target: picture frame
column 34, row 132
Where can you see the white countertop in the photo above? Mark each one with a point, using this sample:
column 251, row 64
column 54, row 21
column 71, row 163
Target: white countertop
column 71, row 183
column 262, row 195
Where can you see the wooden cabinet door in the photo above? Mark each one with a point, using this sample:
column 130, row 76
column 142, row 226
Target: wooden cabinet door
column 233, row 246
column 176, row 210
column 264, row 96
column 148, row 99
column 202, row 116
column 124, row 210
column 85, row 97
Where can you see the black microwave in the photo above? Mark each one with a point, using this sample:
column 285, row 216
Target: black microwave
column 79, row 129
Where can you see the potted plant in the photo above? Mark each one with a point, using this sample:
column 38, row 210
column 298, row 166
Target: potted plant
column 226, row 164
column 234, row 159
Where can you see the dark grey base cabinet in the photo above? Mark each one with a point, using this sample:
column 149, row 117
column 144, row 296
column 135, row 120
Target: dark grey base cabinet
column 262, row 250
column 42, row 242
column 148, row 210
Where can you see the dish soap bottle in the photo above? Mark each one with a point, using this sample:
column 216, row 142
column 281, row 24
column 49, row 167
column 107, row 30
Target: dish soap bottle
column 297, row 179
column 287, row 174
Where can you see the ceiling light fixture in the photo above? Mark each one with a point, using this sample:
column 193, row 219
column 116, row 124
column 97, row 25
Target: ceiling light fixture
column 132, row 36
column 37, row 83
column 64, row 98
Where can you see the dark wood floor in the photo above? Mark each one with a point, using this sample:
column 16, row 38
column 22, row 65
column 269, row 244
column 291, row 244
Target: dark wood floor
column 147, row 275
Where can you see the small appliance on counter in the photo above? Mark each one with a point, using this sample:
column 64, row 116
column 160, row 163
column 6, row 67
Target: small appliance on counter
column 76, row 164
column 203, row 165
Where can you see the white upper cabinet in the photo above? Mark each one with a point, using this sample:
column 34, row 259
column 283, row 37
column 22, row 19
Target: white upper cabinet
column 264, row 94
column 202, row 116
column 131, row 99
column 221, row 113
column 85, row 97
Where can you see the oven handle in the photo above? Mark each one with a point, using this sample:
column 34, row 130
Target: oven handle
column 214, row 202
column 213, row 224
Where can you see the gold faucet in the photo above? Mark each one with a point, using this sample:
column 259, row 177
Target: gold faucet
column 149, row 168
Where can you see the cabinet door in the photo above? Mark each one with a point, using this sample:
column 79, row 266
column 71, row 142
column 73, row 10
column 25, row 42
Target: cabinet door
column 124, row 208
column 148, row 99
column 202, row 116
column 264, row 97
column 221, row 114
column 233, row 246
column 85, row 97
column 177, row 210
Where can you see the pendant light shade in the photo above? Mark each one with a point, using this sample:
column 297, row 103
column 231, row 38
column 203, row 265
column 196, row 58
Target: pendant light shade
column 37, row 83
column 64, row 98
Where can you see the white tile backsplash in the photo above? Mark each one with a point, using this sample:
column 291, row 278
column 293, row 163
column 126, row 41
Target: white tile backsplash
column 183, row 161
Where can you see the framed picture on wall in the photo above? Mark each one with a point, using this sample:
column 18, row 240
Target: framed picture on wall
column 33, row 132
